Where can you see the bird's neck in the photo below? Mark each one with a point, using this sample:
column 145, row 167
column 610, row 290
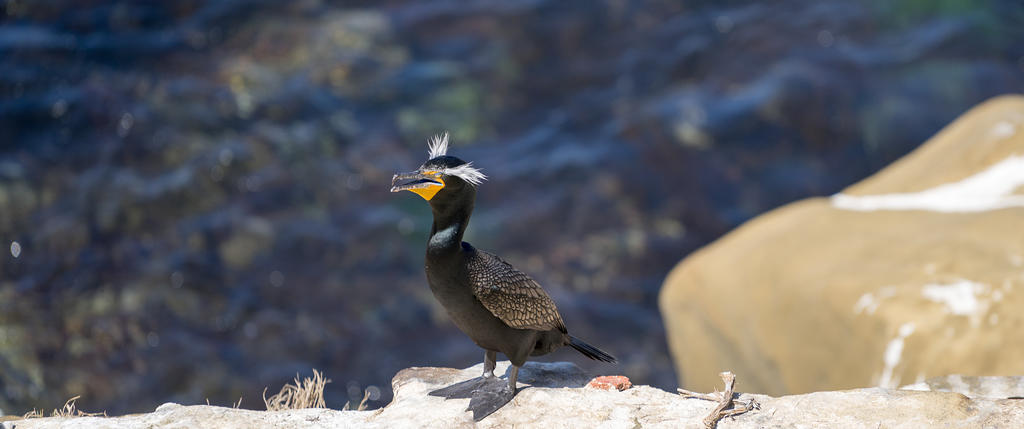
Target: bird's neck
column 450, row 222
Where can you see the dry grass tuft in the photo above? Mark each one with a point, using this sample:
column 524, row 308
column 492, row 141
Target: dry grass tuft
column 362, row 404
column 305, row 393
column 68, row 410
column 34, row 414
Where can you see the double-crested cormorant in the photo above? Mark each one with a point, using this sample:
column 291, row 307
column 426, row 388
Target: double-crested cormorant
column 499, row 307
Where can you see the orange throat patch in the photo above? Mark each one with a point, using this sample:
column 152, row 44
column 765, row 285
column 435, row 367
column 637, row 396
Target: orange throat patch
column 428, row 192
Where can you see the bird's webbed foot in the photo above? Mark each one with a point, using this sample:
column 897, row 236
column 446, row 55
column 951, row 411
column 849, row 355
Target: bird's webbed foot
column 489, row 398
column 465, row 389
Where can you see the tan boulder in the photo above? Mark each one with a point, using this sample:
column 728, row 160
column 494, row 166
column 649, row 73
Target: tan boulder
column 913, row 273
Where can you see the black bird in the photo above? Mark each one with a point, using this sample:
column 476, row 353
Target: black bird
column 499, row 307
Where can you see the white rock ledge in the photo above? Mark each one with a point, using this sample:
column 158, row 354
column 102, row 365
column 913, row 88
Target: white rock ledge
column 553, row 397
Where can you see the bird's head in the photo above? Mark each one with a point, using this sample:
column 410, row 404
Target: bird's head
column 442, row 174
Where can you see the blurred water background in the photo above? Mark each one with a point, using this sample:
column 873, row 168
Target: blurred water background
column 194, row 194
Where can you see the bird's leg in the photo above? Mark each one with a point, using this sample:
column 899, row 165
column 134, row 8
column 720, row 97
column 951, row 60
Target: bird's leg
column 513, row 377
column 490, row 362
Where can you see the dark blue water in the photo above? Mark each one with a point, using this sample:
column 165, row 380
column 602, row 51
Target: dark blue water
column 199, row 190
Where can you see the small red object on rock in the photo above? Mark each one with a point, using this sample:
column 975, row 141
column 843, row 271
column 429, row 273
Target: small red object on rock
column 609, row 382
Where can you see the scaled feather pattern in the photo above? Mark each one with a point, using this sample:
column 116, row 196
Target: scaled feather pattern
column 511, row 295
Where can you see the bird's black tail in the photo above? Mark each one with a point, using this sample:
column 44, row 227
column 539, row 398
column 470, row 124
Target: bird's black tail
column 590, row 351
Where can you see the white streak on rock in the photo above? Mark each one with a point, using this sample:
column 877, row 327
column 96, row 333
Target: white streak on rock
column 1004, row 130
column 867, row 302
column 893, row 354
column 990, row 189
column 960, row 298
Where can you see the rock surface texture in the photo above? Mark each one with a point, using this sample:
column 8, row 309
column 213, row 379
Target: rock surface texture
column 552, row 396
column 975, row 387
column 915, row 272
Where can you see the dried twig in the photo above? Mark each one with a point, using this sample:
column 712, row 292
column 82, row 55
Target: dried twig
column 724, row 399
column 714, row 397
column 730, row 381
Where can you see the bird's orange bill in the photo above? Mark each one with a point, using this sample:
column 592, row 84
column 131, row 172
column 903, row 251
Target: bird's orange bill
column 424, row 183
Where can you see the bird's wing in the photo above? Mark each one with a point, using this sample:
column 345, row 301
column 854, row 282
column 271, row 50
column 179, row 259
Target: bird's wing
column 511, row 295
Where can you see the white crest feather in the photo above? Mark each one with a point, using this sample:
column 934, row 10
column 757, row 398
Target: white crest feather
column 438, row 145
column 467, row 172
